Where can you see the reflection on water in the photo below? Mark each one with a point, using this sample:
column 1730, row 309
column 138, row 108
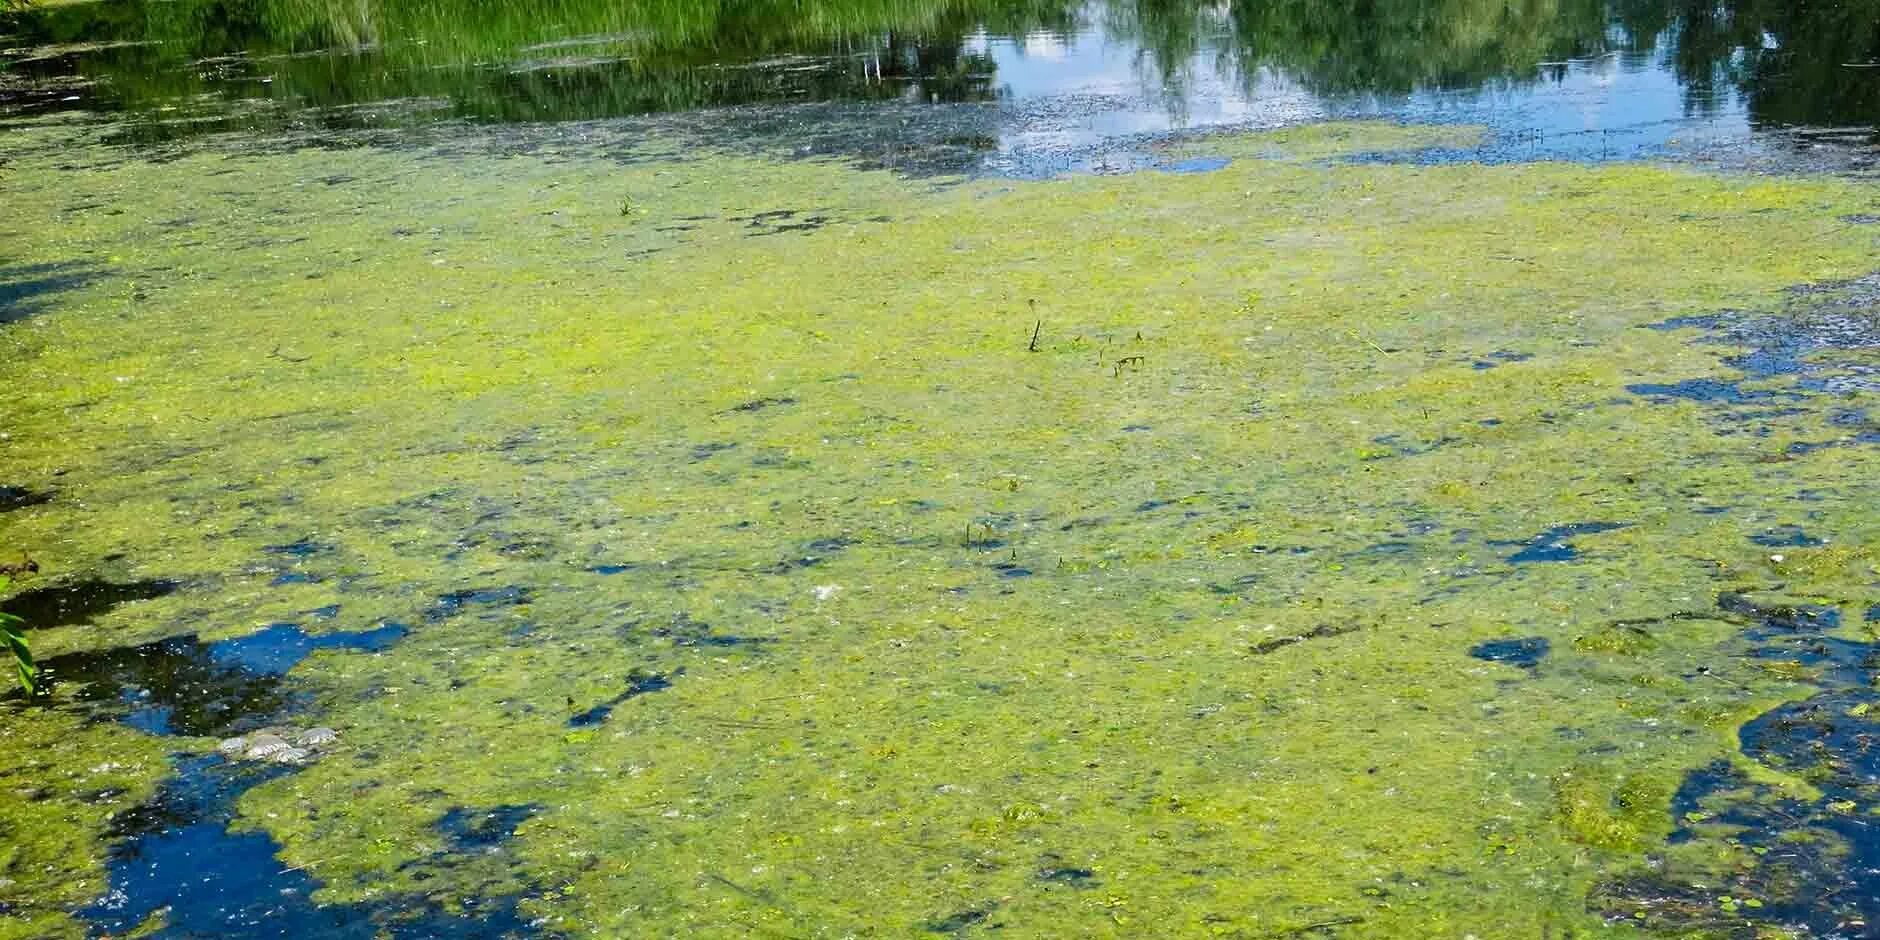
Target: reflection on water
column 1566, row 77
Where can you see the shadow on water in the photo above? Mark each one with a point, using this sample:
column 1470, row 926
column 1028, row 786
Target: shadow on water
column 26, row 288
column 78, row 602
column 183, row 686
column 468, row 830
column 19, row 497
column 1809, row 864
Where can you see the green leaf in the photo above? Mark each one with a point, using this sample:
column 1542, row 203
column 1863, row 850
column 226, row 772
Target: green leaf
column 22, row 651
column 16, row 642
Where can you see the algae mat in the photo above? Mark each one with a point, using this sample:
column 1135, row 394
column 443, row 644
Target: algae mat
column 1306, row 547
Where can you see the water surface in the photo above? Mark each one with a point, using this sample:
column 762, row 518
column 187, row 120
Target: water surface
column 895, row 468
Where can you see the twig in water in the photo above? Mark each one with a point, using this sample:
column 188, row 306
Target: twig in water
column 277, row 354
column 1321, row 925
column 1127, row 361
column 1034, row 336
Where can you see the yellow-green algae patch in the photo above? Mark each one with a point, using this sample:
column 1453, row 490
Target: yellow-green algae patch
column 1158, row 626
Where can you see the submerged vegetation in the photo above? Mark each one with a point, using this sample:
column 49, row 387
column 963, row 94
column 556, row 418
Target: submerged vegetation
column 815, row 551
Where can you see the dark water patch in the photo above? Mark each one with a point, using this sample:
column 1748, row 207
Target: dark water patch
column 1552, row 545
column 1804, row 448
column 1810, row 865
column 1830, row 740
column 1873, row 614
column 801, row 224
column 1324, row 631
column 760, row 404
column 184, row 686
column 179, row 856
column 1399, row 447
column 80, row 602
column 958, row 921
column 1524, row 652
column 1819, row 324
column 294, row 577
column 1710, row 391
column 1498, row 358
column 1067, row 875
column 684, row 630
column 704, row 452
column 1011, row 569
column 1238, row 585
column 814, row 553
column 467, row 830
column 457, row 602
column 613, row 569
column 1784, row 617
column 1785, row 536
column 19, row 497
column 1708, row 321
column 300, row 548
column 638, row 684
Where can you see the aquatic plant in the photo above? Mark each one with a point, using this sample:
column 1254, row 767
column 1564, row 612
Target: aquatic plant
column 13, row 633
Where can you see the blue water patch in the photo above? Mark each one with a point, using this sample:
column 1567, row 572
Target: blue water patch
column 637, row 685
column 281, row 646
column 456, row 602
column 1197, row 165
column 1525, row 652
column 1552, row 545
column 178, row 855
column 1785, row 536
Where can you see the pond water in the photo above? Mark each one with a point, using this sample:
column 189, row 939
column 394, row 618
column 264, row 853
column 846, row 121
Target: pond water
column 883, row 468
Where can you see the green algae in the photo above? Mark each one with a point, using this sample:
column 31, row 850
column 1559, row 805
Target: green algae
column 1342, row 140
column 64, row 779
column 1196, row 623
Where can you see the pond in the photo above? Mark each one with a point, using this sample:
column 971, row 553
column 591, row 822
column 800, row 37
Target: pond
column 884, row 468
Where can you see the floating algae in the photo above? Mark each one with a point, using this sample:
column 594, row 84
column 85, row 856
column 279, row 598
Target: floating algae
column 476, row 402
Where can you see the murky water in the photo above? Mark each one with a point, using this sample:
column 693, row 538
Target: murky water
column 888, row 468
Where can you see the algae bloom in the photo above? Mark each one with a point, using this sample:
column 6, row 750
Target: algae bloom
column 569, row 474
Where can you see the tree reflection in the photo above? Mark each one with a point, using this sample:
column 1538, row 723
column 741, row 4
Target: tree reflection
column 546, row 60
